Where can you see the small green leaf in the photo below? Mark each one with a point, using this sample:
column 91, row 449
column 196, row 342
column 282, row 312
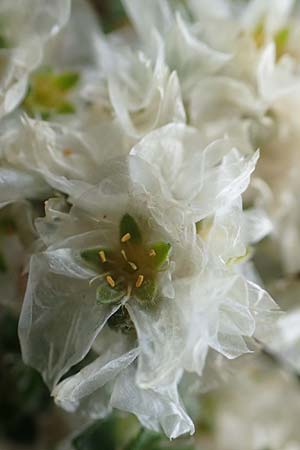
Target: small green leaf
column 66, row 80
column 147, row 292
column 91, row 256
column 149, row 440
column 129, row 225
column 106, row 294
column 3, row 42
column 3, row 266
column 162, row 250
column 145, row 440
column 100, row 435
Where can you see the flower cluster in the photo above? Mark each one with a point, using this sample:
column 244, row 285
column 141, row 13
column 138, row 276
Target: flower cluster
column 129, row 212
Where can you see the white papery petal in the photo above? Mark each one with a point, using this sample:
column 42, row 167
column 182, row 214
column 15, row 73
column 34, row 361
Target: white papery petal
column 85, row 389
column 151, row 14
column 33, row 23
column 186, row 175
column 156, row 409
column 60, row 318
column 18, row 185
column 161, row 338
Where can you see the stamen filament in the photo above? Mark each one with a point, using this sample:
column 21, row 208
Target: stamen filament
column 123, row 253
column 97, row 277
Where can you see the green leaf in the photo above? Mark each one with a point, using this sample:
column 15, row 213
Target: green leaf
column 101, row 435
column 91, row 256
column 106, row 294
column 162, row 250
column 129, row 225
column 145, row 440
column 3, row 42
column 3, row 265
column 147, row 292
column 66, row 80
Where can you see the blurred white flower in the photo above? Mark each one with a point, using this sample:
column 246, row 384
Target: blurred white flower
column 25, row 27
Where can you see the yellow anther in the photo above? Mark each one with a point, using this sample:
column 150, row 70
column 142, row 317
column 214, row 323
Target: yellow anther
column 126, row 237
column 123, row 253
column 139, row 281
column 152, row 252
column 102, row 256
column 132, row 265
column 110, row 281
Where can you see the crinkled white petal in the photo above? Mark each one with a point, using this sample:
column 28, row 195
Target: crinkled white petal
column 60, row 317
column 156, row 409
column 161, row 335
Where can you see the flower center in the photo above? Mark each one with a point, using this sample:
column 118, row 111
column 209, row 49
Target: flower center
column 131, row 269
column 48, row 93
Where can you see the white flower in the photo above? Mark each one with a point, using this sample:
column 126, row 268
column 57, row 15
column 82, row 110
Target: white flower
column 25, row 28
column 248, row 411
column 127, row 258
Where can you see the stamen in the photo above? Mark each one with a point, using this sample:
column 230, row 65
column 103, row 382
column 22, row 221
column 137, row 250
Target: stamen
column 132, row 265
column 139, row 281
column 123, row 253
column 110, row 281
column 102, row 256
column 152, row 252
column 126, row 237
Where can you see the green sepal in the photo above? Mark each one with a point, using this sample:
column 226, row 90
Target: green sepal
column 129, row 225
column 3, row 265
column 66, row 108
column 147, row 292
column 281, row 39
column 91, row 256
column 45, row 115
column 66, row 80
column 106, row 295
column 162, row 250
